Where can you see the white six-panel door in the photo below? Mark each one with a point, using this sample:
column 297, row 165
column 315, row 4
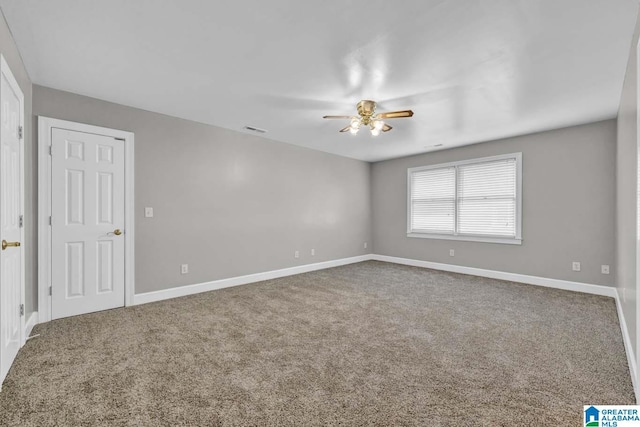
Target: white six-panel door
column 11, row 232
column 87, row 224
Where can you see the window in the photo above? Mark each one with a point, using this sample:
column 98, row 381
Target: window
column 477, row 200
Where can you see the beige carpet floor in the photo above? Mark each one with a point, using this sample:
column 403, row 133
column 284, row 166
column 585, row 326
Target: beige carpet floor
column 366, row 344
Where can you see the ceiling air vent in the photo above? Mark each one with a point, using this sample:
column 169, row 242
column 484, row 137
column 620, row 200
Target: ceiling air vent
column 257, row 130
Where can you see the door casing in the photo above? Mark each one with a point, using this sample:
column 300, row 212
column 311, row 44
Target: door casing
column 6, row 71
column 45, row 126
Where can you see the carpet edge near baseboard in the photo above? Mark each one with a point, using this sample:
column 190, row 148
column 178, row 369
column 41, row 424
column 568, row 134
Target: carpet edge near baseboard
column 601, row 290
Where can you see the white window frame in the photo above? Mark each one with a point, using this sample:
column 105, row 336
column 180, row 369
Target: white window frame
column 517, row 240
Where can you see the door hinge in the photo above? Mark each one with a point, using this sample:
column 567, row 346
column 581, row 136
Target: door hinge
column 49, row 219
column 50, row 291
column 19, row 132
column 21, row 221
column 21, row 309
column 50, row 150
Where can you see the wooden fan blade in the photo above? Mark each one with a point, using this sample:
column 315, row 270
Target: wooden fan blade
column 345, row 129
column 386, row 128
column 395, row 114
column 336, row 117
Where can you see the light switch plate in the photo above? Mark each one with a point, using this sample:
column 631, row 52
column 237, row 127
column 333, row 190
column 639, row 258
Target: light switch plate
column 148, row 212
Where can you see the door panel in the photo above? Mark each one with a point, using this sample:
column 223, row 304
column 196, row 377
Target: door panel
column 75, row 196
column 87, row 207
column 11, row 198
column 105, row 266
column 105, row 198
column 75, row 270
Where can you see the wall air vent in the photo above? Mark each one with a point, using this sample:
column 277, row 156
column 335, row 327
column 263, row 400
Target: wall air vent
column 254, row 129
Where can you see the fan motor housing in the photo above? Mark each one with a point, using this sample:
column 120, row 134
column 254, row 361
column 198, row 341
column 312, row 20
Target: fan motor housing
column 366, row 108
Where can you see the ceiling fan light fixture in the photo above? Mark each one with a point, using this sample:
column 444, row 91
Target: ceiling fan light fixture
column 367, row 117
column 354, row 126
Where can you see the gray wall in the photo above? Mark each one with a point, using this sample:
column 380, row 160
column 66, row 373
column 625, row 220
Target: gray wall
column 225, row 202
column 568, row 206
column 12, row 56
column 626, row 192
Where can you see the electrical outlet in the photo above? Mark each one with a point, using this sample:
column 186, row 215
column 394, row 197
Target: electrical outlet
column 365, row 245
column 313, row 252
column 604, row 269
column 148, row 212
column 296, row 254
column 575, row 266
column 184, row 269
column 452, row 252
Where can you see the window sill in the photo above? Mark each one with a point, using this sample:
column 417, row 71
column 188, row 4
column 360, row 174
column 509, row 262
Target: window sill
column 501, row 240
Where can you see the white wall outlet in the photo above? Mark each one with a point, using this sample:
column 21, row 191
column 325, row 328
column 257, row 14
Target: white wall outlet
column 296, row 254
column 452, row 252
column 184, row 268
column 575, row 266
column 365, row 245
column 313, row 252
column 604, row 268
column 148, row 212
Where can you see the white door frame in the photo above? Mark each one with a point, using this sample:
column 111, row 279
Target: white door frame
column 636, row 362
column 45, row 126
column 6, row 71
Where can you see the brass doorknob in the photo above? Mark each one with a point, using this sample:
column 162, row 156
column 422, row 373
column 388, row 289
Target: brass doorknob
column 117, row 232
column 6, row 244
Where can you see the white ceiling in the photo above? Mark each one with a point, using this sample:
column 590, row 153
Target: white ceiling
column 472, row 71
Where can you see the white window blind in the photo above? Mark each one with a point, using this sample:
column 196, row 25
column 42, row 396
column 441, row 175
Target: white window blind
column 487, row 198
column 433, row 200
column 467, row 200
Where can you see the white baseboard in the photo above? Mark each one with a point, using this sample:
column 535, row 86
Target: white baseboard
column 626, row 338
column 31, row 322
column 181, row 291
column 606, row 291
column 241, row 280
